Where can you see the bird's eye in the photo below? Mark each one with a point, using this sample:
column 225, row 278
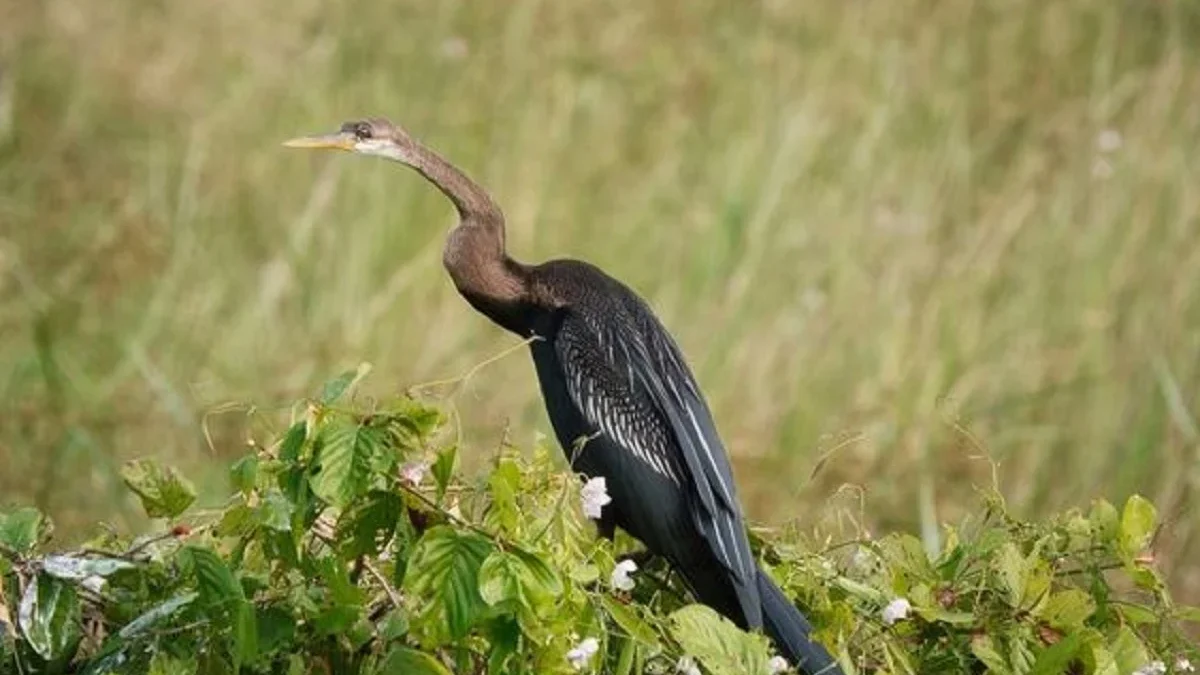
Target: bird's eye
column 362, row 131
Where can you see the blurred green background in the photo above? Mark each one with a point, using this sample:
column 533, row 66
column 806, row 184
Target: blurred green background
column 888, row 235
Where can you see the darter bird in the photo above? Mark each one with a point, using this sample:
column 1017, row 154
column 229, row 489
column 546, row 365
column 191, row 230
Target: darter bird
column 612, row 375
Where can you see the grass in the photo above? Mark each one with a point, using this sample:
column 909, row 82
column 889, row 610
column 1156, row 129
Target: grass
column 886, row 234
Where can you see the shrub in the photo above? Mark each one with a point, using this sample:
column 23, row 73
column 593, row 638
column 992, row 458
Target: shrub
column 352, row 545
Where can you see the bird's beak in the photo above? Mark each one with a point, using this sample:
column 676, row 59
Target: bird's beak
column 338, row 141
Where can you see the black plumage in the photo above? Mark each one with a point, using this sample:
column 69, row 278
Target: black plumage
column 622, row 400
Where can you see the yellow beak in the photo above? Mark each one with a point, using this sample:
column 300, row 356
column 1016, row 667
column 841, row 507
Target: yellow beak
column 338, row 141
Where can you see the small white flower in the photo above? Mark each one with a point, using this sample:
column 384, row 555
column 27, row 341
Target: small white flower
column 413, row 472
column 583, row 652
column 1152, row 668
column 594, row 495
column 777, row 664
column 1183, row 665
column 620, row 575
column 896, row 610
column 687, row 666
column 1109, row 140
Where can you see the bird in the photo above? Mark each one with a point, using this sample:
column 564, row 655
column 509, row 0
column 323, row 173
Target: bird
column 621, row 398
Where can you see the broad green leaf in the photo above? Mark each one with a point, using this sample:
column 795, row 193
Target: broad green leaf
column 413, row 422
column 503, row 483
column 1068, row 609
column 716, row 643
column 153, row 616
column 1010, row 565
column 275, row 511
column 293, row 441
column 985, row 650
column 1137, row 614
column 504, row 633
column 368, row 525
column 77, row 568
column 444, row 572
column 541, row 581
column 1105, row 521
column 21, row 529
column 237, row 521
column 1137, row 525
column 220, row 590
column 905, row 553
column 629, row 621
column 49, row 617
column 333, row 390
column 443, row 469
column 395, row 626
column 164, row 493
column 244, row 474
column 410, row 662
column 1128, row 651
column 1055, row 659
column 349, row 453
column 520, row 578
column 499, row 579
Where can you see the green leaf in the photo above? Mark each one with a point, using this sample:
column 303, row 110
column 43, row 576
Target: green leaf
column 244, row 474
column 275, row 628
column 985, row 650
column 275, row 511
column 49, row 617
column 153, row 616
column 164, row 493
column 1010, row 564
column 75, row 568
column 20, row 530
column 336, row 387
column 395, row 626
column 629, row 621
column 716, row 643
column 540, row 581
column 1104, row 520
column 219, row 589
column 293, row 441
column 366, row 528
column 499, row 579
column 444, row 572
column 1137, row 614
column 1137, row 525
column 349, row 453
column 1188, row 613
column 503, row 483
column 907, row 554
column 1068, row 609
column 1128, row 651
column 443, row 468
column 411, row 662
column 1054, row 660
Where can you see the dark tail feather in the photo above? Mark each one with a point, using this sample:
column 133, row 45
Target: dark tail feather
column 790, row 631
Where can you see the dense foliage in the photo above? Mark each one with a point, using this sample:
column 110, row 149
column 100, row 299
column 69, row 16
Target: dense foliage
column 352, row 545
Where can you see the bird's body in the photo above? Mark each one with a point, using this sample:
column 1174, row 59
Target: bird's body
column 623, row 403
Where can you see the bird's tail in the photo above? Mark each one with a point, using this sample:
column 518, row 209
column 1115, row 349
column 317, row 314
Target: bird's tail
column 791, row 632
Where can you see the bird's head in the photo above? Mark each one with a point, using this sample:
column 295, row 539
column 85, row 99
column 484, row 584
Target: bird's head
column 374, row 136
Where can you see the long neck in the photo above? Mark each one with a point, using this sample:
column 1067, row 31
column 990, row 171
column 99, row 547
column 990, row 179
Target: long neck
column 474, row 254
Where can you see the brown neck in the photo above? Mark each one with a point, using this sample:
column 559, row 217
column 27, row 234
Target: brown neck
column 474, row 255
